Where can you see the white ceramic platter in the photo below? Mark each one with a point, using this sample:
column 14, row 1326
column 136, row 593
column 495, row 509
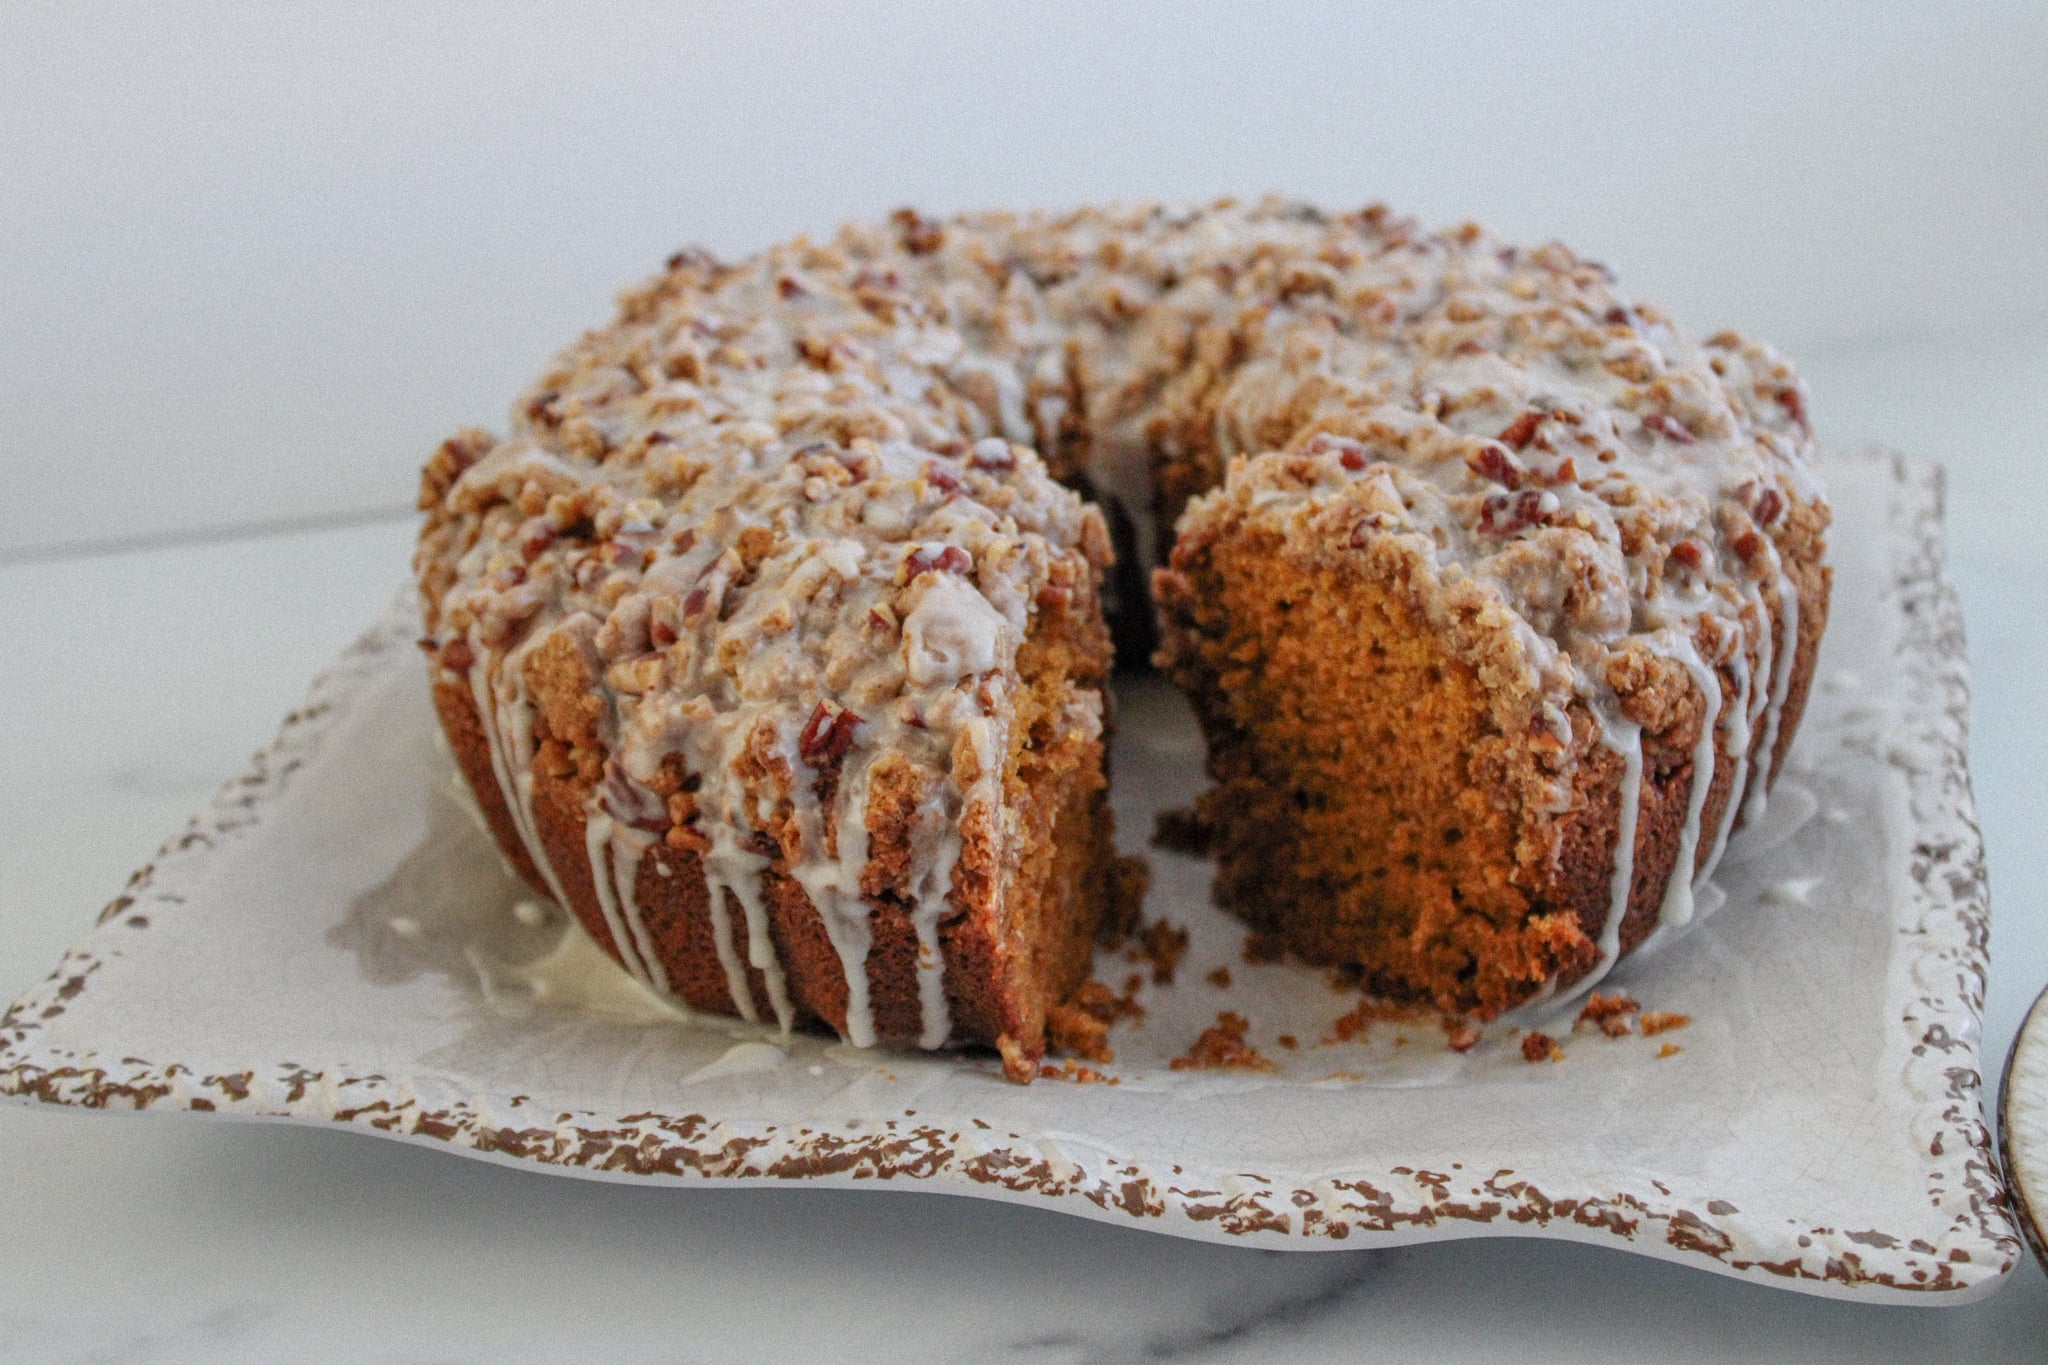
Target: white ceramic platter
column 335, row 942
column 2023, row 1127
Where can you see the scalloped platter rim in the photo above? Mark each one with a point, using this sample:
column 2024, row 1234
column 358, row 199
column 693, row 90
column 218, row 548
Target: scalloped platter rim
column 334, row 942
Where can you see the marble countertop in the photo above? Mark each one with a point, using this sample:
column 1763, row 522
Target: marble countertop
column 138, row 678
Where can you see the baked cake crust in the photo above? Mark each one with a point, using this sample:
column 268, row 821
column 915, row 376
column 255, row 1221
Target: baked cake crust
column 771, row 638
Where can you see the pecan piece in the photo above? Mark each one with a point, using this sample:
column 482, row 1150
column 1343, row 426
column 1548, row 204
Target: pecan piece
column 1503, row 514
column 936, row 559
column 827, row 735
column 1351, row 454
column 1768, row 507
column 1492, row 461
column 921, row 236
column 993, row 453
column 1664, row 424
column 1795, row 406
column 1522, row 430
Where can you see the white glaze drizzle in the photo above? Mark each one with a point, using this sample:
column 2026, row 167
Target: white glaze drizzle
column 512, row 767
column 630, row 940
column 1624, row 738
column 1740, row 723
column 737, row 986
column 732, row 870
column 833, row 885
column 1785, row 651
column 929, row 904
column 1676, row 910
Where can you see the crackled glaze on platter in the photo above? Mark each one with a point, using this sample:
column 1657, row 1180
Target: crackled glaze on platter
column 591, row 1091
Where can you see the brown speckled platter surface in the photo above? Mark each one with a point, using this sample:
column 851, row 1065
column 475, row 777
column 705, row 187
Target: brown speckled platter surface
column 335, row 942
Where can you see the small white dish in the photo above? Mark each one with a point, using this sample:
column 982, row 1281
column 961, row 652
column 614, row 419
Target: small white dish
column 335, row 942
column 2023, row 1127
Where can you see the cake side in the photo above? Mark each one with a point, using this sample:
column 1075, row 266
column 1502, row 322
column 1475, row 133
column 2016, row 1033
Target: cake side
column 1031, row 889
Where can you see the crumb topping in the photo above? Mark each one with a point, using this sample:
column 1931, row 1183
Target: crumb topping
column 1222, row 1047
column 1614, row 1015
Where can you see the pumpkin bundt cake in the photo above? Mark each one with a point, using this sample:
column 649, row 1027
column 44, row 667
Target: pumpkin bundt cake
column 774, row 638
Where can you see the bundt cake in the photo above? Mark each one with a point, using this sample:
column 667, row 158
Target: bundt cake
column 774, row 639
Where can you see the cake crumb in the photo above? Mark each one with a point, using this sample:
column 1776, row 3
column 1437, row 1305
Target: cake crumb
column 1222, row 1048
column 1018, row 1065
column 1180, row 830
column 1162, row 944
column 1669, row 1050
column 1462, row 1034
column 1660, row 1021
column 1077, row 1033
column 1353, row 1024
column 1289, row 1041
column 1130, row 877
column 1067, row 1069
column 1350, row 1025
column 1220, row 978
column 1262, row 948
column 1541, row 1047
column 1080, row 1027
column 1615, row 1014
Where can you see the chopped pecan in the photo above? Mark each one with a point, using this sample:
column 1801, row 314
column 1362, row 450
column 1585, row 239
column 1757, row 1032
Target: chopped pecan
column 1795, row 406
column 1351, row 454
column 827, row 735
column 921, row 236
column 1767, row 507
column 540, row 409
column 1664, row 424
column 936, row 559
column 1492, row 461
column 993, row 453
column 1522, row 430
column 537, row 535
column 1503, row 514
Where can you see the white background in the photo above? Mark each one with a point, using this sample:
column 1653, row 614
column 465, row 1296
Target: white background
column 256, row 261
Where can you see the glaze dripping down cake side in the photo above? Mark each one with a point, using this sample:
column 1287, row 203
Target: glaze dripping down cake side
column 772, row 637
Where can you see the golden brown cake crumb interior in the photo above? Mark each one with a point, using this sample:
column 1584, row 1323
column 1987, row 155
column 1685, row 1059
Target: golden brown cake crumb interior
column 1359, row 778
